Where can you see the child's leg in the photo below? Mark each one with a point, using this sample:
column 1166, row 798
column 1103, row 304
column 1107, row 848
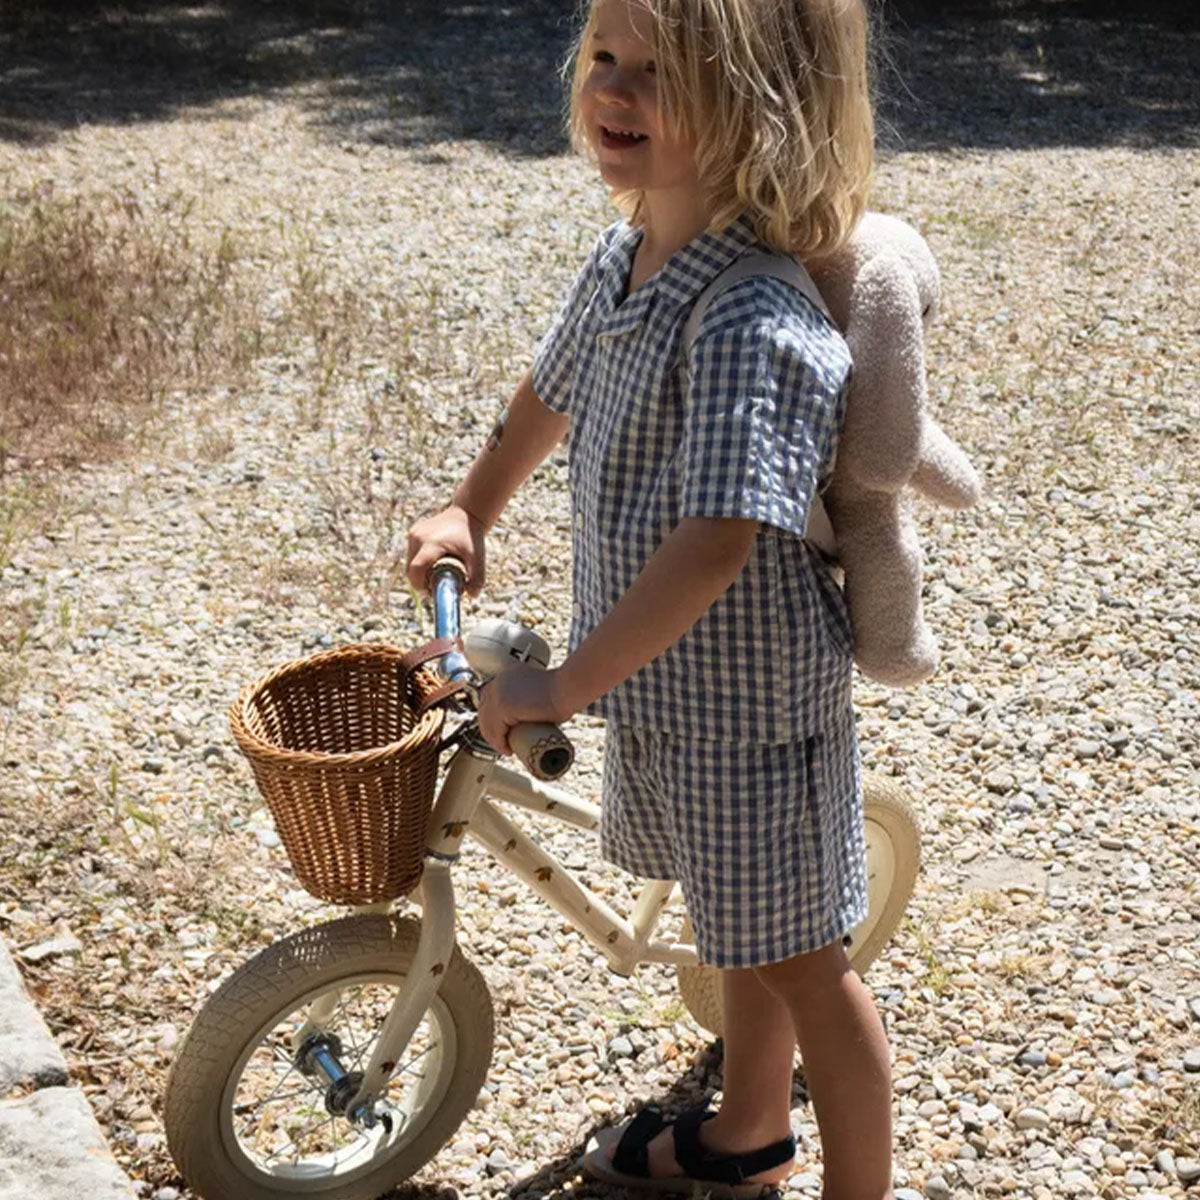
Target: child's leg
column 758, row 1062
column 846, row 1065
column 759, row 1058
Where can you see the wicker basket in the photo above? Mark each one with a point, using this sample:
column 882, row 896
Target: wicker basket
column 347, row 765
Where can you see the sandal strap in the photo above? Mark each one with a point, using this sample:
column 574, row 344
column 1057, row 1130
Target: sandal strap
column 632, row 1156
column 710, row 1166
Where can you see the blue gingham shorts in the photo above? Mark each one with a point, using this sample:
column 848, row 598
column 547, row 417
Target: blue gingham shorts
column 766, row 841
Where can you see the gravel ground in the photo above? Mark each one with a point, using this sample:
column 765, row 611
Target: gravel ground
column 1043, row 997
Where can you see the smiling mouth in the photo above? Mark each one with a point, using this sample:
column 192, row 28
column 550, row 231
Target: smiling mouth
column 620, row 137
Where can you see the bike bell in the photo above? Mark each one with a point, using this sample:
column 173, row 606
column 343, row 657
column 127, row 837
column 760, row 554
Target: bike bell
column 494, row 645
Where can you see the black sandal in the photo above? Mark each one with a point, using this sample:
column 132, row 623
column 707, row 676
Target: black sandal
column 718, row 1174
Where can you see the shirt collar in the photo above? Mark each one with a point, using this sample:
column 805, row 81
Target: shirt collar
column 683, row 276
column 689, row 271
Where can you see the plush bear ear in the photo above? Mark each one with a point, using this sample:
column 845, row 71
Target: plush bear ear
column 880, row 445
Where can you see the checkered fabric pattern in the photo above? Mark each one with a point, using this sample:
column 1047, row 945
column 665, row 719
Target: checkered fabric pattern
column 751, row 434
column 766, row 841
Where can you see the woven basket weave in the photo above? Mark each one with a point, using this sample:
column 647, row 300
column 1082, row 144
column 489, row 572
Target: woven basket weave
column 347, row 766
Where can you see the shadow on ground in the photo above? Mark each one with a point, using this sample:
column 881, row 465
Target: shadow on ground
column 396, row 72
column 563, row 1178
column 959, row 73
column 1028, row 74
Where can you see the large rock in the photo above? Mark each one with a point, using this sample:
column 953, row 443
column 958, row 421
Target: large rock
column 51, row 1148
column 28, row 1055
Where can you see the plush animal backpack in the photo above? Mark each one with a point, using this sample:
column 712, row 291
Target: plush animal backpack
column 880, row 289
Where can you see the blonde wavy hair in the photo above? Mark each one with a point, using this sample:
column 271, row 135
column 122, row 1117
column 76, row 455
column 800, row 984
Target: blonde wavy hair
column 775, row 95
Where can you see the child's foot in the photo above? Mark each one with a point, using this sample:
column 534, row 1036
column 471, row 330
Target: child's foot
column 660, row 1153
column 652, row 1153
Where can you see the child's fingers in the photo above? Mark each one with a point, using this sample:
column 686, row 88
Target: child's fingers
column 495, row 733
column 491, row 723
column 421, row 557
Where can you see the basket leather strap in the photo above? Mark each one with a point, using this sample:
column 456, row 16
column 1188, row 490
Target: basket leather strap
column 439, row 694
column 422, row 654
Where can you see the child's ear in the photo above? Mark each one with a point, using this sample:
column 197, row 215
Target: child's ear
column 881, row 439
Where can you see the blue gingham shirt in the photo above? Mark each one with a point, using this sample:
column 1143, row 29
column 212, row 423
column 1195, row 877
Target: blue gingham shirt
column 749, row 432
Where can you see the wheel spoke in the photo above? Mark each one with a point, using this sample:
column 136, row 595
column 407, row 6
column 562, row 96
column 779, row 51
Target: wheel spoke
column 370, row 1046
column 274, row 1066
column 259, row 1105
column 416, row 1059
column 295, row 1139
column 339, row 1011
column 282, row 1080
column 241, row 1109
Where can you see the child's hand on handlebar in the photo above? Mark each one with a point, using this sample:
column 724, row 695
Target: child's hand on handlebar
column 451, row 533
column 522, row 693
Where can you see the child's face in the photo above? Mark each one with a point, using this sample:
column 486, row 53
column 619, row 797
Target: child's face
column 619, row 98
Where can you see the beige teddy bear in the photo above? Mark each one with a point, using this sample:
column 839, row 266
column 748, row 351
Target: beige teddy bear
column 880, row 289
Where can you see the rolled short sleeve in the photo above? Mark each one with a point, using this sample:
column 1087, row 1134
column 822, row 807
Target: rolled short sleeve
column 554, row 359
column 767, row 380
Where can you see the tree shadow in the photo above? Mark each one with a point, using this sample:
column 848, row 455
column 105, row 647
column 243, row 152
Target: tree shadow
column 958, row 73
column 1028, row 74
column 395, row 72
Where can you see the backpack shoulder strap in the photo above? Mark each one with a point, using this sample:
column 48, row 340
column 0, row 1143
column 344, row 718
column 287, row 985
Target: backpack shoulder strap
column 775, row 266
column 819, row 531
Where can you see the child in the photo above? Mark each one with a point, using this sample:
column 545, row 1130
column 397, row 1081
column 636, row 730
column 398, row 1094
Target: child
column 708, row 634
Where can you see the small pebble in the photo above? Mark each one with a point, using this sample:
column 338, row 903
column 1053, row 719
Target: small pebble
column 1188, row 1169
column 936, row 1188
column 621, row 1047
column 1032, row 1118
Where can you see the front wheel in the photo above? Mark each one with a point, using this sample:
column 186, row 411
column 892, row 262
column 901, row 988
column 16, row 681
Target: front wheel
column 244, row 1121
column 893, row 840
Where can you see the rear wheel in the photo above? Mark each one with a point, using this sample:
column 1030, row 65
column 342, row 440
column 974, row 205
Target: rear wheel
column 893, row 840
column 243, row 1119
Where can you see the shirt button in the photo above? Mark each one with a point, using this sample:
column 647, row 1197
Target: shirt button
column 577, row 609
column 579, row 521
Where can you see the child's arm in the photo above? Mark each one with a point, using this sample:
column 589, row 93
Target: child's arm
column 526, row 433
column 689, row 571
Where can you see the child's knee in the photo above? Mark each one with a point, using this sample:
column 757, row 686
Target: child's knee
column 805, row 975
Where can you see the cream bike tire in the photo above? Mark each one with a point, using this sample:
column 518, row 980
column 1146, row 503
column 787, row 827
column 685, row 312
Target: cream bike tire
column 893, row 839
column 233, row 1106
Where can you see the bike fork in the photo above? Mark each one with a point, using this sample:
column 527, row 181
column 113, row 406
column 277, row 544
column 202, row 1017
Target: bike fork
column 466, row 782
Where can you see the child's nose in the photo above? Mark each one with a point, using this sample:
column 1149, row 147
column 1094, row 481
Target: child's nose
column 615, row 87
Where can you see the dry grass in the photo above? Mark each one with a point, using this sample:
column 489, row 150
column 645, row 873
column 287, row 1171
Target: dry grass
column 105, row 310
column 110, row 311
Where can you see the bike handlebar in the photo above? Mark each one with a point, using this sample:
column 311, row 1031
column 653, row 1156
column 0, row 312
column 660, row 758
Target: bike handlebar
column 447, row 580
column 544, row 749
